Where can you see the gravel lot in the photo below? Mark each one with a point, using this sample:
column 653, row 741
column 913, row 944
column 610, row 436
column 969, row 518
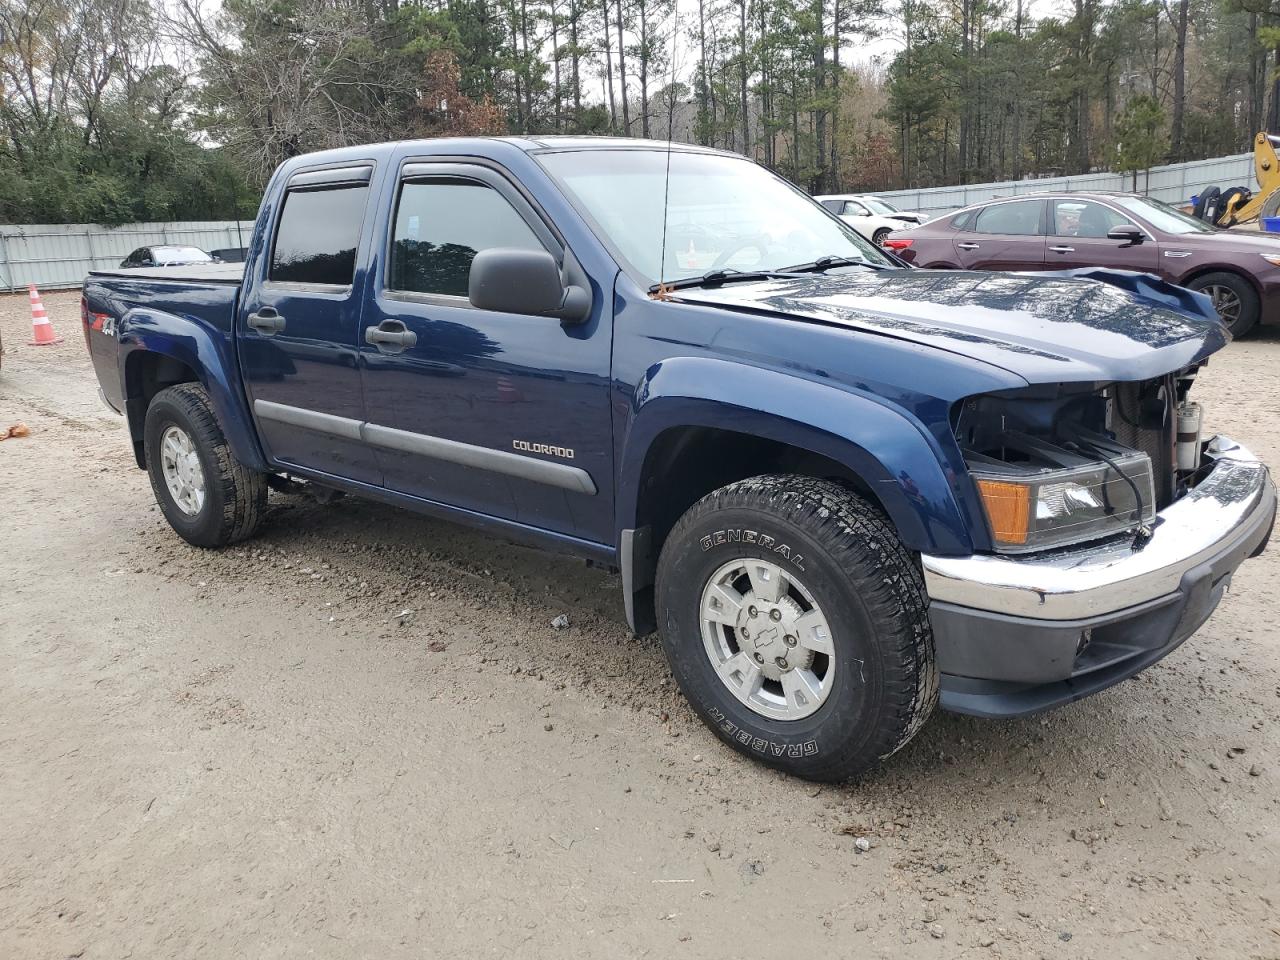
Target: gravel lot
column 359, row 735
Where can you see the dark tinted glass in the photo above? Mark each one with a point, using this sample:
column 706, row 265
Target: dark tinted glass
column 1014, row 219
column 319, row 230
column 440, row 227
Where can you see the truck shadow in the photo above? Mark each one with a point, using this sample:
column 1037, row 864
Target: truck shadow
column 1129, row 734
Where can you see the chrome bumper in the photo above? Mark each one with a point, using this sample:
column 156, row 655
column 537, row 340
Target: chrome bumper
column 1224, row 509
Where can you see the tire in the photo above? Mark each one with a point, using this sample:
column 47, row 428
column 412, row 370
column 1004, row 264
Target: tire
column 232, row 498
column 1224, row 217
column 838, row 555
column 1221, row 284
column 1207, row 204
column 1270, row 204
column 880, row 235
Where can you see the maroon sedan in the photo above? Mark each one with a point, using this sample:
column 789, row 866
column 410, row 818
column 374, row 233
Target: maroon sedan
column 1240, row 270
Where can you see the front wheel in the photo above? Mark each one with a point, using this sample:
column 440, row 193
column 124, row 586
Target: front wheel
column 880, row 236
column 209, row 498
column 796, row 624
column 1233, row 297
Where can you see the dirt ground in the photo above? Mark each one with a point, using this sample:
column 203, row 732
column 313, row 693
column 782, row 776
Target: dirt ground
column 359, row 736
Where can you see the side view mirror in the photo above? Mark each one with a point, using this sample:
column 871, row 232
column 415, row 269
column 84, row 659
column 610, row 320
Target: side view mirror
column 526, row 282
column 1127, row 233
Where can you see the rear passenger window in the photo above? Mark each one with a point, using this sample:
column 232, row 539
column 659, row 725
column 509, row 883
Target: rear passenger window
column 1020, row 219
column 440, row 227
column 317, row 237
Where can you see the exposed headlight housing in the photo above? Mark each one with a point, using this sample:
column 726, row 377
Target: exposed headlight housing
column 1034, row 508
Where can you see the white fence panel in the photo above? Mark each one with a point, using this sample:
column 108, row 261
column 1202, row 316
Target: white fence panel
column 59, row 255
column 1174, row 183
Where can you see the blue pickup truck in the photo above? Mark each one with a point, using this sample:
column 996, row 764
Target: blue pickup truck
column 842, row 490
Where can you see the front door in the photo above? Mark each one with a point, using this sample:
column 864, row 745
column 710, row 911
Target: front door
column 1078, row 238
column 299, row 327
column 1004, row 236
column 499, row 413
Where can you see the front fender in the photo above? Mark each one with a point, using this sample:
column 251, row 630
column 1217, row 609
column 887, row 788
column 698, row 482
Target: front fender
column 911, row 474
column 208, row 353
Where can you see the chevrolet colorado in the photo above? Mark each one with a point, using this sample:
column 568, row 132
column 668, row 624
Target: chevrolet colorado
column 842, row 490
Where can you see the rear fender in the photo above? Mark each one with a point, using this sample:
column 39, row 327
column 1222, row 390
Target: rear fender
column 910, row 473
column 210, row 356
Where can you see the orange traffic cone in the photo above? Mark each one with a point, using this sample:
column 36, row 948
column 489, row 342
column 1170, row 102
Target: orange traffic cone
column 41, row 329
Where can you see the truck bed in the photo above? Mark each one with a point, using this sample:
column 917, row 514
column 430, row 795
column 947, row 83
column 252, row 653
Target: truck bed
column 204, row 293
column 231, row 273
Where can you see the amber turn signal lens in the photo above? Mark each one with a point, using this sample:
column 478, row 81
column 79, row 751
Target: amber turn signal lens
column 1008, row 507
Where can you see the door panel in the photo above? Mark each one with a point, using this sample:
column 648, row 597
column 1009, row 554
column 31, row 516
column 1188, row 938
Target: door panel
column 500, row 413
column 1078, row 238
column 299, row 329
column 1004, row 236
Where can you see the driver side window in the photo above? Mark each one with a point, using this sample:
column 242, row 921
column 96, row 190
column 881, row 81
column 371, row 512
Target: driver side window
column 440, row 227
column 1084, row 219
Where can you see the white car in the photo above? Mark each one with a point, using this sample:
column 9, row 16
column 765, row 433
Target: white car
column 872, row 217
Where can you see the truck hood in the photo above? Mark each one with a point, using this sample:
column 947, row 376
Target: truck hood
column 1044, row 328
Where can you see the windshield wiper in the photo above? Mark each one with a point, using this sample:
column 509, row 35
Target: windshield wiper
column 823, row 264
column 714, row 278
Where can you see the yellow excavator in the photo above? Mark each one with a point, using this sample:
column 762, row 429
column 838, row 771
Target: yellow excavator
column 1226, row 208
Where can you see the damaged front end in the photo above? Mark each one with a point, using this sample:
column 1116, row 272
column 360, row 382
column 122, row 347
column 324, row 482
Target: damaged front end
column 1067, row 463
column 1115, row 531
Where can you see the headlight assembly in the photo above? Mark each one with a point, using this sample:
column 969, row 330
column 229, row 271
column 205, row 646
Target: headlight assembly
column 1032, row 508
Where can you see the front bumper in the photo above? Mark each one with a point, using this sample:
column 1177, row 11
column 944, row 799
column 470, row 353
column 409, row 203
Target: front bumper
column 1020, row 635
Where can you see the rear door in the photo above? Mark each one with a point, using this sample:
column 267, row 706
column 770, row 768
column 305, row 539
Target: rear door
column 299, row 326
column 499, row 413
column 1078, row 238
column 1008, row 235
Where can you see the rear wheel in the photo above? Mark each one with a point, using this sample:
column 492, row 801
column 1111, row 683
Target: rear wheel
column 209, row 498
column 795, row 623
column 1270, row 204
column 1233, row 297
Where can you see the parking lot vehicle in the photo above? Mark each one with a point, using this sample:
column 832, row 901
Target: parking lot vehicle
column 166, row 255
column 1239, row 271
column 840, row 489
column 884, row 208
column 872, row 223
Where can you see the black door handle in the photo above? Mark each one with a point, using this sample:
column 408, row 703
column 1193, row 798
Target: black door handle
column 390, row 336
column 266, row 321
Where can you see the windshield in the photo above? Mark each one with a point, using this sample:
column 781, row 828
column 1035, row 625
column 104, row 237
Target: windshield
column 1162, row 216
column 879, row 206
column 722, row 213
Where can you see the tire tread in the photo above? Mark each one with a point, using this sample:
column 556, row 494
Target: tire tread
column 861, row 538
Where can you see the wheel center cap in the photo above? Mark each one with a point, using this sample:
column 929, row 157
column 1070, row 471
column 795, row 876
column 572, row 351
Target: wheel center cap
column 766, row 637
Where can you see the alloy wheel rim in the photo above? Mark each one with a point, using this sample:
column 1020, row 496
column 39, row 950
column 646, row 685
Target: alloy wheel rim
column 767, row 639
column 1226, row 301
column 183, row 474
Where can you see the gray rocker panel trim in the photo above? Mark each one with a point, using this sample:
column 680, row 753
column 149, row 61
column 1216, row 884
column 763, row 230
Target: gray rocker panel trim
column 343, row 427
column 573, row 479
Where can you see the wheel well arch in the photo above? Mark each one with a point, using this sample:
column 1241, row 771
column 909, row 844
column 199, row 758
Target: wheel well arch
column 681, row 466
column 146, row 373
column 1235, row 271
column 684, row 464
